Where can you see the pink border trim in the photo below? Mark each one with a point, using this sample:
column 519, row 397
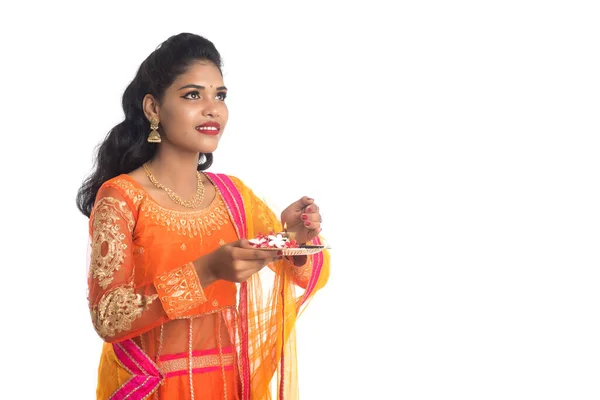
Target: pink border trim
column 244, row 356
column 136, row 388
column 235, row 202
column 233, row 199
column 316, row 272
column 238, row 199
column 281, row 374
column 145, row 374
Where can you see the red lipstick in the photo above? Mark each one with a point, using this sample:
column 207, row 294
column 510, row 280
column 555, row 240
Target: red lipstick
column 209, row 128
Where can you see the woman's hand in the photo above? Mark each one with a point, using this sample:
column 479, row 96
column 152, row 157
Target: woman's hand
column 234, row 262
column 302, row 218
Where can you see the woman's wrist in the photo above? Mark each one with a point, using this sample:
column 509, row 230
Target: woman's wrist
column 204, row 271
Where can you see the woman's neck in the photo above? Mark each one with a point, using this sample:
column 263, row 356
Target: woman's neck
column 175, row 169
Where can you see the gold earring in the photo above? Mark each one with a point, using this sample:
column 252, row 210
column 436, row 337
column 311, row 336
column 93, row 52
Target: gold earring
column 154, row 136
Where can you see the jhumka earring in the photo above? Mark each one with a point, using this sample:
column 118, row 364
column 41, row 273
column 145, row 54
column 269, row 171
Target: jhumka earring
column 154, row 136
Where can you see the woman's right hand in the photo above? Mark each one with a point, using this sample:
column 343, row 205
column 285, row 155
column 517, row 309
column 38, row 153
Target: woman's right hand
column 234, row 262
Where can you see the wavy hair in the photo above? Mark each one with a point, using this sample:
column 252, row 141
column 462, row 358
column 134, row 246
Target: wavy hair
column 125, row 147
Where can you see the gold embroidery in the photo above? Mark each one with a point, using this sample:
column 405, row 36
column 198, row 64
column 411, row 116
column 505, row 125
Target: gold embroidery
column 186, row 223
column 135, row 194
column 204, row 361
column 215, row 303
column 238, row 208
column 180, row 290
column 183, row 246
column 302, row 273
column 117, row 309
column 222, row 242
column 113, row 222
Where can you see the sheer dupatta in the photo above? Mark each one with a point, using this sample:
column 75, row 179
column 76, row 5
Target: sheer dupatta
column 266, row 337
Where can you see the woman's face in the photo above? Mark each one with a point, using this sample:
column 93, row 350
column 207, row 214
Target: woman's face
column 193, row 113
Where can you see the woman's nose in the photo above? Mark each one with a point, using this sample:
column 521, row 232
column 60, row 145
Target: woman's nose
column 210, row 109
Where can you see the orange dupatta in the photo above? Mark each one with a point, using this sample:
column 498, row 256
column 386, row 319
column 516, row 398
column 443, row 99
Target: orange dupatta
column 267, row 328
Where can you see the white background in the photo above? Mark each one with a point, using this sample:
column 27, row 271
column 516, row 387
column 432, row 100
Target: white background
column 452, row 146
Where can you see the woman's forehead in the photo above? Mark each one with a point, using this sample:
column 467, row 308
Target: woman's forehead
column 201, row 71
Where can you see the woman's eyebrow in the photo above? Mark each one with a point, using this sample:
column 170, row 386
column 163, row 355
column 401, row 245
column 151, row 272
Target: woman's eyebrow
column 192, row 86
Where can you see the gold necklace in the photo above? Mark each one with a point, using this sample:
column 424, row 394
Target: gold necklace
column 195, row 202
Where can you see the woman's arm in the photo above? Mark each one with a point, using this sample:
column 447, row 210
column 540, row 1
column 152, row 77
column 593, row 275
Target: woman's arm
column 119, row 308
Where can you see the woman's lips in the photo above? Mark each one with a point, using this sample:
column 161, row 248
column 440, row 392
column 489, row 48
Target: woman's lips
column 209, row 128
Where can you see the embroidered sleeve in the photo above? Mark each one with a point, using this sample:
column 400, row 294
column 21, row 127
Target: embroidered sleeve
column 263, row 220
column 112, row 224
column 119, row 308
column 179, row 290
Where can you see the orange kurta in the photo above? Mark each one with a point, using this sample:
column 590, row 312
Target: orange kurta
column 142, row 286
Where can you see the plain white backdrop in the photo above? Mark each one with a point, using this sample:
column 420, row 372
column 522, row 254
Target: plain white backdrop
column 452, row 146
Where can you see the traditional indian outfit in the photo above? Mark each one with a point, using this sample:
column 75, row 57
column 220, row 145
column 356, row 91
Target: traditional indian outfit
column 166, row 337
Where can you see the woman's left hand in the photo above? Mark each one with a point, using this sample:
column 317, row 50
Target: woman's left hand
column 302, row 218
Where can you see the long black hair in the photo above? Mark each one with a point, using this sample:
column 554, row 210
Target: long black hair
column 126, row 148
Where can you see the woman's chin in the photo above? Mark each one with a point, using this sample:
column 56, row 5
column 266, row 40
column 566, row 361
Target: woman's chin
column 208, row 144
column 206, row 149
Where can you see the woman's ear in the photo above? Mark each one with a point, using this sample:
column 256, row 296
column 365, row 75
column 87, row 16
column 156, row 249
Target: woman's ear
column 151, row 107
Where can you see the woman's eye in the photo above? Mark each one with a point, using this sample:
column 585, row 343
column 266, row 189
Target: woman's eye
column 221, row 96
column 192, row 95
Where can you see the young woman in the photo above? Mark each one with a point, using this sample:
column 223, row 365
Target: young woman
column 173, row 285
